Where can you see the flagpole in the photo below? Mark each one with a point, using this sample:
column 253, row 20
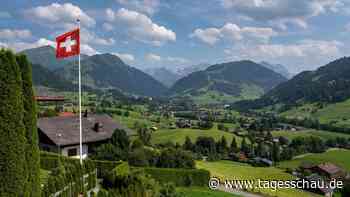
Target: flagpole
column 80, row 120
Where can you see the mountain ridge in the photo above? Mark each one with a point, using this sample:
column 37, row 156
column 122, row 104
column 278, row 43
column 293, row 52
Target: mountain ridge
column 329, row 83
column 229, row 78
column 106, row 71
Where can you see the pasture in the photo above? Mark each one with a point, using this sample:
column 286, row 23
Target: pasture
column 340, row 157
column 238, row 171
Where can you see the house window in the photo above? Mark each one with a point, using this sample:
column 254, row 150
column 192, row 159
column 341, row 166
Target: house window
column 72, row 152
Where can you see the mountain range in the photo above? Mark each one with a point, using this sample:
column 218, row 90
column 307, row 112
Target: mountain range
column 241, row 79
column 329, row 83
column 101, row 71
column 227, row 82
column 184, row 71
column 107, row 71
column 163, row 75
column 278, row 68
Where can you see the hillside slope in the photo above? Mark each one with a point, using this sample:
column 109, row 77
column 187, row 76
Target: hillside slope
column 44, row 77
column 329, row 84
column 278, row 68
column 243, row 80
column 45, row 56
column 109, row 71
column 163, row 75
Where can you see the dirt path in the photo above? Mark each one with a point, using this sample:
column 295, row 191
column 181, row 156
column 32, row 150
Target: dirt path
column 238, row 192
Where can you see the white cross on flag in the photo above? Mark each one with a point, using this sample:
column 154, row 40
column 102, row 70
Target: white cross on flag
column 68, row 44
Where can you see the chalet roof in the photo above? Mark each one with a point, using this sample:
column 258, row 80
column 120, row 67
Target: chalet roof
column 68, row 128
column 329, row 168
column 264, row 160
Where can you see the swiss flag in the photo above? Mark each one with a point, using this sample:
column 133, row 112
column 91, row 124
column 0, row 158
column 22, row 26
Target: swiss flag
column 68, row 44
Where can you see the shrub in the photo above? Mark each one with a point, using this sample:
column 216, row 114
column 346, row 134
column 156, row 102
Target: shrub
column 103, row 167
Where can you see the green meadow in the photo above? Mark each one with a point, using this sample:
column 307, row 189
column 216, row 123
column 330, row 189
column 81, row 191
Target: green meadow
column 309, row 132
column 340, row 157
column 203, row 192
column 238, row 171
column 164, row 134
column 179, row 135
column 337, row 113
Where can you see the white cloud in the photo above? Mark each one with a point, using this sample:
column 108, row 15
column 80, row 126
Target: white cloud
column 11, row 34
column 59, row 15
column 153, row 57
column 140, row 27
column 209, row 35
column 107, row 26
column 91, row 38
column 20, row 46
column 88, row 50
column 145, row 6
column 126, row 57
column 283, row 12
column 3, row 45
column 110, row 14
column 234, row 33
column 305, row 54
column 177, row 60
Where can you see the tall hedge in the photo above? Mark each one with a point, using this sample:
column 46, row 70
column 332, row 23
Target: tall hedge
column 32, row 188
column 12, row 130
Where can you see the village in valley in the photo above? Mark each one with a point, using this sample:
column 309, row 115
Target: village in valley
column 209, row 136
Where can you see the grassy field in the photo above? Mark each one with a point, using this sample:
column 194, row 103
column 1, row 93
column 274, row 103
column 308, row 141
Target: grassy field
column 337, row 113
column 233, row 170
column 179, row 135
column 203, row 192
column 310, row 132
column 339, row 157
column 164, row 134
column 210, row 96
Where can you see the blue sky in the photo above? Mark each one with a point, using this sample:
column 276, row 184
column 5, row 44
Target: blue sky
column 300, row 34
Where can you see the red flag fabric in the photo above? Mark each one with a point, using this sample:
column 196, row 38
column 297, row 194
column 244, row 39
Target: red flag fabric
column 68, row 44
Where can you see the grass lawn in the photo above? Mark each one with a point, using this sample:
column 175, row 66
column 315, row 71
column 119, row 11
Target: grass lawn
column 179, row 135
column 203, row 192
column 310, row 132
column 339, row 157
column 239, row 171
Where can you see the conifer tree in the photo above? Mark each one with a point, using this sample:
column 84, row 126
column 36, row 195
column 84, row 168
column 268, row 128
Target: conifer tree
column 32, row 188
column 188, row 145
column 244, row 146
column 233, row 146
column 12, row 131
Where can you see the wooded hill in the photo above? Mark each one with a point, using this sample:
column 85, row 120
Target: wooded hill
column 233, row 78
column 102, row 71
column 330, row 84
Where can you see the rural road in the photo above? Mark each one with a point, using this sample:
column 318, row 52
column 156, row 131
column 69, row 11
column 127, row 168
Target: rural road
column 238, row 192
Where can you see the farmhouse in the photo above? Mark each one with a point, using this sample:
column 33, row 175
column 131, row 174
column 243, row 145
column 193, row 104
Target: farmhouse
column 322, row 189
column 61, row 133
column 330, row 170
